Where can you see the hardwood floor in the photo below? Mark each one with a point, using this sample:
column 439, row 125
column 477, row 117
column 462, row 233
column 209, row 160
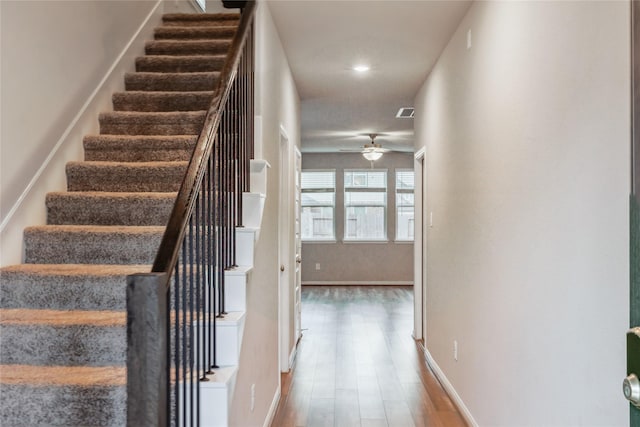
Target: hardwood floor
column 357, row 364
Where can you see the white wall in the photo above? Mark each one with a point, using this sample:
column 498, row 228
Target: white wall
column 527, row 157
column 56, row 59
column 277, row 102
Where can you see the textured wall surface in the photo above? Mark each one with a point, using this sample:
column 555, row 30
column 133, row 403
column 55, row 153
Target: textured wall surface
column 358, row 261
column 527, row 159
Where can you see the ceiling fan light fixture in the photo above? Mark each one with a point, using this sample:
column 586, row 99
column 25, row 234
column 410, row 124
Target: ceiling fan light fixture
column 372, row 156
column 361, row 68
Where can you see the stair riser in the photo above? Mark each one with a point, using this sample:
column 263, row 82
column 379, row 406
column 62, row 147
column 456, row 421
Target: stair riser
column 151, row 128
column 63, row 292
column 63, row 345
column 83, row 177
column 150, row 102
column 167, row 47
column 77, row 209
column 25, row 405
column 141, row 155
column 114, row 148
column 180, row 64
column 194, row 33
column 177, row 118
column 90, row 248
column 171, row 82
column 228, row 341
column 167, row 22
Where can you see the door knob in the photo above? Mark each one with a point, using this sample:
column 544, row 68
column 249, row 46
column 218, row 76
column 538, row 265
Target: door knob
column 298, row 259
column 281, row 267
column 631, row 389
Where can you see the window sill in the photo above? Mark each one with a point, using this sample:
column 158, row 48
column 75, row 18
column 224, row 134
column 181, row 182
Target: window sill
column 333, row 241
column 349, row 241
column 404, row 242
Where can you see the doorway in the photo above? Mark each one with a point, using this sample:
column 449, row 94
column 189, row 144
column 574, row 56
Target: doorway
column 420, row 251
column 289, row 257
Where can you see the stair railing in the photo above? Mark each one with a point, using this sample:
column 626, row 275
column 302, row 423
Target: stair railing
column 171, row 312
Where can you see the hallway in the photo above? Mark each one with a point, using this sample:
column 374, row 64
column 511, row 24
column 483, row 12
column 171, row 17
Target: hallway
column 357, row 364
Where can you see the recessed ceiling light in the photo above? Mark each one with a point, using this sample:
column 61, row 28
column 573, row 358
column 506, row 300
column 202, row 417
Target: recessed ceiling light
column 361, row 68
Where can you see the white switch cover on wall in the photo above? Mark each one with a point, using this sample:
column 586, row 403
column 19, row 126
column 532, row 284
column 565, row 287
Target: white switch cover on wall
column 317, row 266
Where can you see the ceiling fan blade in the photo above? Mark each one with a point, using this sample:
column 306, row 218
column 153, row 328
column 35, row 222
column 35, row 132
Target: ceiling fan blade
column 351, row 150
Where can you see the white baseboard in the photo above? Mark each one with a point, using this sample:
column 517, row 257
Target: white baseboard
column 292, row 356
column 448, row 387
column 273, row 408
column 359, row 282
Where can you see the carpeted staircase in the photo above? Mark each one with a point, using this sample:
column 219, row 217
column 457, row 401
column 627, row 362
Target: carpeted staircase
column 62, row 313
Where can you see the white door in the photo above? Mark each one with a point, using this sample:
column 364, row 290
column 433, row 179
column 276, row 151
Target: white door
column 298, row 248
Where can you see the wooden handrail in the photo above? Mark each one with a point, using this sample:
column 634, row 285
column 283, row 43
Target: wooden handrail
column 169, row 250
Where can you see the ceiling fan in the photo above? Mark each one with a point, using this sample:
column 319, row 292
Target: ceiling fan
column 371, row 151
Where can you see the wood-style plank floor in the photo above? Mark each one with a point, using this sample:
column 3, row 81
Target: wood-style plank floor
column 358, row 366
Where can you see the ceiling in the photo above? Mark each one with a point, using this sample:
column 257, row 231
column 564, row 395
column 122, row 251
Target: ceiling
column 400, row 40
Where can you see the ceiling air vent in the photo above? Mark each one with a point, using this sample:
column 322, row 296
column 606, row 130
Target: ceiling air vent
column 405, row 113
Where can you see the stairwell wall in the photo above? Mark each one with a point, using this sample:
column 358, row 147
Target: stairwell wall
column 61, row 61
column 527, row 137
column 277, row 103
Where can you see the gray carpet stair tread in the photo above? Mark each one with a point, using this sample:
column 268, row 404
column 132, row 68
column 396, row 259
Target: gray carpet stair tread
column 62, row 395
column 139, row 148
column 66, row 286
column 125, row 176
column 200, row 19
column 186, row 47
column 180, row 64
column 109, row 208
column 194, row 32
column 84, row 244
column 63, row 337
column 174, row 82
column 162, row 101
column 151, row 123
column 72, row 376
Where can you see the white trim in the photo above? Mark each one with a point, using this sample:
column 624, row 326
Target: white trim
column 359, row 282
column 76, row 119
column 420, row 153
column 273, row 408
column 448, row 387
column 292, row 356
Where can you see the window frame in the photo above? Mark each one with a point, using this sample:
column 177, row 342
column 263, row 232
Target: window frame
column 332, row 239
column 399, row 191
column 366, row 189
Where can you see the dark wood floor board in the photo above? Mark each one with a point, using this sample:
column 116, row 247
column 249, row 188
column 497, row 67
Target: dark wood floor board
column 358, row 366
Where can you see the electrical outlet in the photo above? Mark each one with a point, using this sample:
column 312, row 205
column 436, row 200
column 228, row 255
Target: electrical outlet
column 317, row 266
column 455, row 350
column 253, row 396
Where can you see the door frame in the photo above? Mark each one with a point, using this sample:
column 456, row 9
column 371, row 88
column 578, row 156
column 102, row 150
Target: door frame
column 419, row 249
column 634, row 199
column 297, row 249
column 285, row 305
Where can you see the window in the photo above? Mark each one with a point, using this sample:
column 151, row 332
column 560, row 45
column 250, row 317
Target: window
column 365, row 204
column 318, row 205
column 405, row 217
